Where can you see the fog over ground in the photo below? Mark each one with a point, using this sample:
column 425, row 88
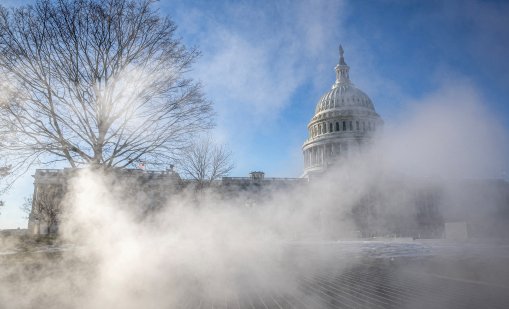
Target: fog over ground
column 203, row 246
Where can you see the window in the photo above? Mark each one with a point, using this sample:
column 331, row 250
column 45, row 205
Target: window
column 344, row 125
column 357, row 125
column 337, row 126
column 319, row 128
column 351, row 126
column 330, row 127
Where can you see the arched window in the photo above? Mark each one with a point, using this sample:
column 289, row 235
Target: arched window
column 337, row 126
column 330, row 127
column 344, row 125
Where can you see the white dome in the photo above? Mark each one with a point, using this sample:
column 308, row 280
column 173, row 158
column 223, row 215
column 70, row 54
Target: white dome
column 344, row 96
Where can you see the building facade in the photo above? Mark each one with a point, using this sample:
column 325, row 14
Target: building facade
column 158, row 188
column 344, row 123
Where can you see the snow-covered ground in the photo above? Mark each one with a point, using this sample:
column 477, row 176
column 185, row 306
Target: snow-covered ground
column 375, row 273
column 392, row 248
column 376, row 248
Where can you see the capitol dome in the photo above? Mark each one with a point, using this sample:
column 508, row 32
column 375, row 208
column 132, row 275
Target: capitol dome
column 344, row 97
column 344, row 123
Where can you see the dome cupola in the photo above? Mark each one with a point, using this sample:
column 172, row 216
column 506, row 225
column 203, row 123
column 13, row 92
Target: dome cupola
column 343, row 95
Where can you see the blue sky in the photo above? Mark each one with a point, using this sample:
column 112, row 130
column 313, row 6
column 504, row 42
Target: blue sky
column 265, row 64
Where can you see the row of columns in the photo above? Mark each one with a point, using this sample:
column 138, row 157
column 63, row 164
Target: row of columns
column 321, row 154
column 350, row 125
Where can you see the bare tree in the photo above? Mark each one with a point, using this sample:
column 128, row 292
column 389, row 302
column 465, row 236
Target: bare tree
column 5, row 171
column 205, row 161
column 95, row 82
column 26, row 207
column 46, row 208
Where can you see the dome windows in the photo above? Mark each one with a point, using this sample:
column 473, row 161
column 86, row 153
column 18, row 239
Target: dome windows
column 333, row 124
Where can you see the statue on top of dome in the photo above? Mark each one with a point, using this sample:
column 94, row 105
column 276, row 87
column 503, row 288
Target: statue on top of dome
column 341, row 57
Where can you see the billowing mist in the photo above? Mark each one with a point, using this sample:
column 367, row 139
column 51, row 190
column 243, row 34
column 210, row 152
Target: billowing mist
column 202, row 248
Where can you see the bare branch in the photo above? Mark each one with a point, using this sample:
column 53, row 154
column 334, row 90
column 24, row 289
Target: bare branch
column 45, row 207
column 204, row 161
column 95, row 82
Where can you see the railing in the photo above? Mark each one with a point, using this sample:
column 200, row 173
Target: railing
column 157, row 172
column 128, row 170
column 261, row 179
column 169, row 173
column 48, row 170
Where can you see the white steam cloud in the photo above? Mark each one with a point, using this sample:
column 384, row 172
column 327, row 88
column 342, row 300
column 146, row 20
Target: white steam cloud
column 449, row 133
column 203, row 248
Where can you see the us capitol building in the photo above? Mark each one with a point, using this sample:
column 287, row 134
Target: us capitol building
column 344, row 123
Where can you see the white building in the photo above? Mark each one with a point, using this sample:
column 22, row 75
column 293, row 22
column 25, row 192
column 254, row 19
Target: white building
column 345, row 121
